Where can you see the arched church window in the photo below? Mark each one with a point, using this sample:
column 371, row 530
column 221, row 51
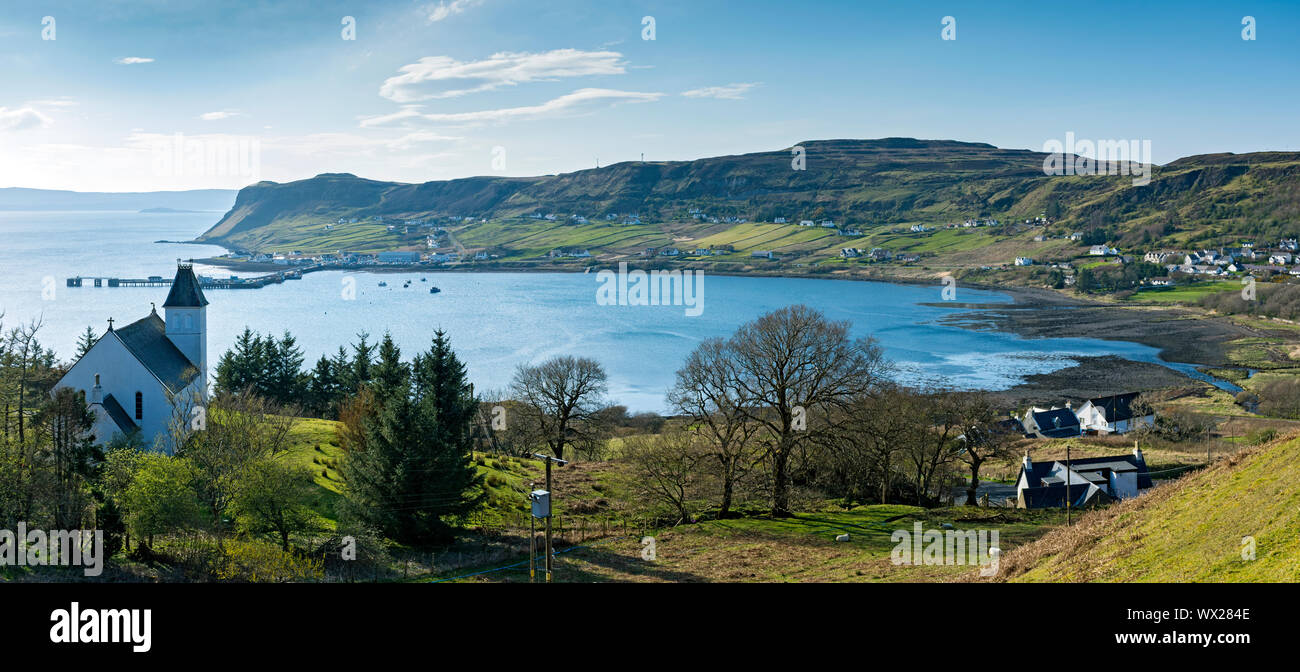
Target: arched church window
column 139, row 405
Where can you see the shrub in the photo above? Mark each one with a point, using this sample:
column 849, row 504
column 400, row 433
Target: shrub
column 260, row 562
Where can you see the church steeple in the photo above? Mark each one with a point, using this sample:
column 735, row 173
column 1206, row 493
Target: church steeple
column 186, row 292
column 186, row 318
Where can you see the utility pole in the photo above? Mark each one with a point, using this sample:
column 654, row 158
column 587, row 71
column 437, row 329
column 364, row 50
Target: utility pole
column 549, row 554
column 532, row 545
column 1068, row 469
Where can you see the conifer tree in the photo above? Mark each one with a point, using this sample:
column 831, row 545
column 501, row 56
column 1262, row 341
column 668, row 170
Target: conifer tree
column 86, row 341
column 411, row 473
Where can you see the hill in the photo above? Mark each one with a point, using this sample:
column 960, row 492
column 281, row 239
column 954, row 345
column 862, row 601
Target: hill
column 194, row 200
column 1193, row 529
column 866, row 184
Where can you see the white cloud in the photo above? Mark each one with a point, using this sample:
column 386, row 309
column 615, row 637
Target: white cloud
column 445, row 9
column 728, row 92
column 412, row 139
column 221, row 114
column 63, row 101
column 572, row 103
column 22, row 118
column 132, row 60
column 446, row 77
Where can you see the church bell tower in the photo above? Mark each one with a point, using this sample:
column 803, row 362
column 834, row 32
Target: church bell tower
column 186, row 317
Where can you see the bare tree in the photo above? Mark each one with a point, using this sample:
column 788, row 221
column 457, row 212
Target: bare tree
column 986, row 435
column 938, row 421
column 869, row 434
column 665, row 469
column 562, row 398
column 792, row 364
column 706, row 390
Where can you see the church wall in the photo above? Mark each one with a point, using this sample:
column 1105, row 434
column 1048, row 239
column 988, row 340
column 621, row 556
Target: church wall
column 121, row 375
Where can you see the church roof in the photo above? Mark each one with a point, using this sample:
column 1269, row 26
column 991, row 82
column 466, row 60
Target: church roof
column 186, row 292
column 147, row 340
column 119, row 415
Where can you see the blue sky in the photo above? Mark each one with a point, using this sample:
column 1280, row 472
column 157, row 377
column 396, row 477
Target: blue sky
column 452, row 88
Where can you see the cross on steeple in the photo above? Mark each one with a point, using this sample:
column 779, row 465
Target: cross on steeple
column 110, row 324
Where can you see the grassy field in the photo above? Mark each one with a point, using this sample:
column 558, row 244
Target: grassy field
column 798, row 549
column 314, row 444
column 307, row 234
column 524, row 239
column 1194, row 529
column 1184, row 294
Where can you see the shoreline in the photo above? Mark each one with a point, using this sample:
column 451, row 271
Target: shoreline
column 1182, row 336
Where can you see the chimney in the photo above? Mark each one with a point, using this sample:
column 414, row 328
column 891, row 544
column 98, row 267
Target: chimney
column 1028, row 463
column 1137, row 452
column 96, row 393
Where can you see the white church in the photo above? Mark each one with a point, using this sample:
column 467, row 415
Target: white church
column 135, row 377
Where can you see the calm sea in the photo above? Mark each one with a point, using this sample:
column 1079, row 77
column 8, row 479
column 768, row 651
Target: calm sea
column 496, row 320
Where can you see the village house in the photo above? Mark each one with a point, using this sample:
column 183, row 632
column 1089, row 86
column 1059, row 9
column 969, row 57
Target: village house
column 1112, row 415
column 1101, row 250
column 1024, row 261
column 765, row 254
column 1162, row 257
column 1051, row 423
column 398, row 257
column 1091, row 481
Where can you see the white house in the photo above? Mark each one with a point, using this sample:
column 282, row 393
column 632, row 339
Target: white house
column 1024, row 261
column 1051, row 423
column 1081, row 482
column 1112, row 415
column 137, row 377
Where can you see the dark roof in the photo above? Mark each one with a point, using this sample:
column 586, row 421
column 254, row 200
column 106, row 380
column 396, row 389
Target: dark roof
column 186, row 292
column 1057, row 423
column 1116, row 407
column 1082, row 466
column 119, row 415
column 1054, row 496
column 147, row 340
column 1011, row 425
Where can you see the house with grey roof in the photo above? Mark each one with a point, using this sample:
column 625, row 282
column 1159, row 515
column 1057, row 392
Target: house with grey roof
column 1051, row 423
column 1114, row 414
column 1082, row 482
column 138, row 377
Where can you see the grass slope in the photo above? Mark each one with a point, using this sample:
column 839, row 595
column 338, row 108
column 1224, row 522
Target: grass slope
column 797, row 549
column 1189, row 530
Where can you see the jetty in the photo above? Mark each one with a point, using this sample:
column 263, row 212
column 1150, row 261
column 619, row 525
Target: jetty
column 205, row 282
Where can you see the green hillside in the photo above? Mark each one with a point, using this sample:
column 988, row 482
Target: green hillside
column 878, row 186
column 1192, row 529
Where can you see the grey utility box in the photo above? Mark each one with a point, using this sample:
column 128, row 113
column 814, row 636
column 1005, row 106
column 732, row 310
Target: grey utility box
column 541, row 500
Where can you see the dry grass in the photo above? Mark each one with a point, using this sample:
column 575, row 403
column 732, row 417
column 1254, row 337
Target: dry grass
column 1188, row 530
